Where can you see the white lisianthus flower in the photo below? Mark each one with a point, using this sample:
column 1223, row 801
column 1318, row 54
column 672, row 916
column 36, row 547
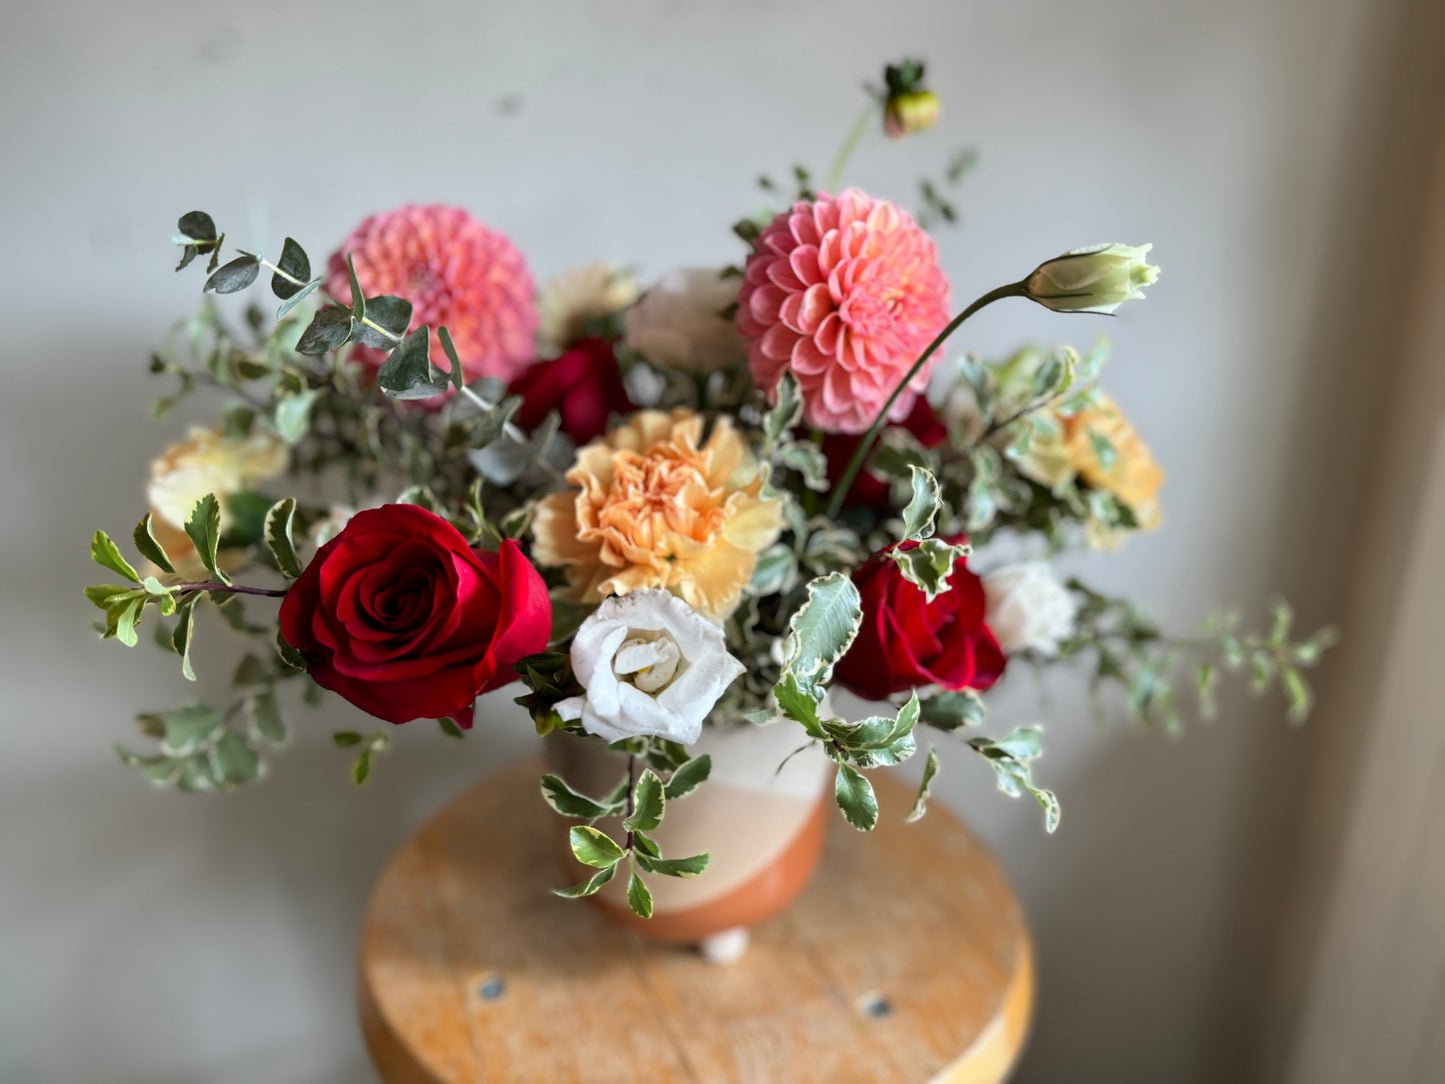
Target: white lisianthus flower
column 679, row 323
column 1028, row 609
column 651, row 665
column 1095, row 279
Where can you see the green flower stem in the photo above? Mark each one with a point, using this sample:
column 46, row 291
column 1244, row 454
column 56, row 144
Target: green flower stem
column 850, row 474
column 229, row 589
column 369, row 322
column 850, row 144
column 292, row 279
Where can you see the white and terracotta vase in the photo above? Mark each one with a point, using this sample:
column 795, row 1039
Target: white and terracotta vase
column 763, row 828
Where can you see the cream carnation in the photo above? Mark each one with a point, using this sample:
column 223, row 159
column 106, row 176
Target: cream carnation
column 679, row 324
column 568, row 303
column 206, row 462
column 845, row 294
column 1028, row 610
column 650, row 665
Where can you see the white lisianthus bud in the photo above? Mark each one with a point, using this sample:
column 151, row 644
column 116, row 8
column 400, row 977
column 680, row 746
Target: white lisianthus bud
column 680, row 321
column 650, row 665
column 1028, row 609
column 1095, row 279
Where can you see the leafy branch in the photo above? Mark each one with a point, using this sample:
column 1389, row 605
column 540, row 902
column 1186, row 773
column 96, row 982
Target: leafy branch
column 1130, row 651
column 640, row 800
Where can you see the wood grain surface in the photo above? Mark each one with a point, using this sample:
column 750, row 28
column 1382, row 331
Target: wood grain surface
column 907, row 959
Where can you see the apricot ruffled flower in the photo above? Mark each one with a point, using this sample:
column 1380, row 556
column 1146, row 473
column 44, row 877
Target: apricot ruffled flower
column 657, row 507
column 845, row 294
column 206, row 462
column 454, row 271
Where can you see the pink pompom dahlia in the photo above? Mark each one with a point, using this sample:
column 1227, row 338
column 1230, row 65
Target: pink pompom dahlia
column 845, row 293
column 454, row 271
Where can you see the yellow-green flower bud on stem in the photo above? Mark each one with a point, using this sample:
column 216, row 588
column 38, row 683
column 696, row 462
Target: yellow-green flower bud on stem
column 1096, row 279
column 909, row 112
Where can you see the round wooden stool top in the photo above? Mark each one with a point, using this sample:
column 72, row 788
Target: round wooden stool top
column 907, row 959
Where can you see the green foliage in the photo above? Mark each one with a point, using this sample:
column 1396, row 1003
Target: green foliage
column 291, row 415
column 674, row 867
column 920, row 517
column 920, row 803
column 104, row 553
column 181, row 637
column 263, row 715
column 592, row 847
column 385, row 324
column 456, row 374
column 1131, row 653
column 293, row 271
column 688, row 776
column 292, row 658
column 450, row 728
column 329, row 330
column 855, row 798
column 570, row 803
column 823, row 628
column 929, row 564
column 147, row 546
column 196, row 233
column 204, row 529
column 235, row 276
column 371, row 746
column 648, row 803
column 278, row 537
column 407, row 373
column 1009, row 758
column 589, row 886
column 950, row 710
column 784, row 415
column 638, row 897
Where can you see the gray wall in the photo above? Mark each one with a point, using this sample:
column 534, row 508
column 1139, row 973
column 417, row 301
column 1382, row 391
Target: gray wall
column 150, row 937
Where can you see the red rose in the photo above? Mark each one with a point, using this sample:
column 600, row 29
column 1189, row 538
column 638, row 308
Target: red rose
column 869, row 490
column 584, row 385
column 401, row 617
column 906, row 641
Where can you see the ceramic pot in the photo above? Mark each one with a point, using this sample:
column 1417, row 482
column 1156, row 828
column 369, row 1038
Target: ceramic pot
column 763, row 828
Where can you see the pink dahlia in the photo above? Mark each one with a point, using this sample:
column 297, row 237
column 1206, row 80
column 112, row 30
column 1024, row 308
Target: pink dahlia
column 845, row 293
column 454, row 271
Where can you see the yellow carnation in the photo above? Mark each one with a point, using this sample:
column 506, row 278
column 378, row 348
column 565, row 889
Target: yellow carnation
column 206, row 463
column 1132, row 477
column 655, row 508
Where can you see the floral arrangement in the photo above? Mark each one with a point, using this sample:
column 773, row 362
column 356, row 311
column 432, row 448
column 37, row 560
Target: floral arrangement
column 709, row 500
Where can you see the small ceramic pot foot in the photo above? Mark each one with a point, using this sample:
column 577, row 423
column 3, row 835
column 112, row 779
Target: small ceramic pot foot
column 726, row 947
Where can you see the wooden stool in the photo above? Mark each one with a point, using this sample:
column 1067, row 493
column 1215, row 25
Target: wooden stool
column 907, row 959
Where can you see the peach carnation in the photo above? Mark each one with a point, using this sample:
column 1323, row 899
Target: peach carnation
column 454, row 271
column 844, row 293
column 655, row 508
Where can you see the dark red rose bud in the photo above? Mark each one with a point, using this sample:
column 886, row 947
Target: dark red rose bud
column 906, row 641
column 401, row 617
column 584, row 385
column 869, row 490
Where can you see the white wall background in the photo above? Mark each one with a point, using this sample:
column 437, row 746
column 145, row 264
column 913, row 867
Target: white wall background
column 161, row 938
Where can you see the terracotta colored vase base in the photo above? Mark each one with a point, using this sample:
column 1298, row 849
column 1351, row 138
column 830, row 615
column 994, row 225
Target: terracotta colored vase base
column 906, row 959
